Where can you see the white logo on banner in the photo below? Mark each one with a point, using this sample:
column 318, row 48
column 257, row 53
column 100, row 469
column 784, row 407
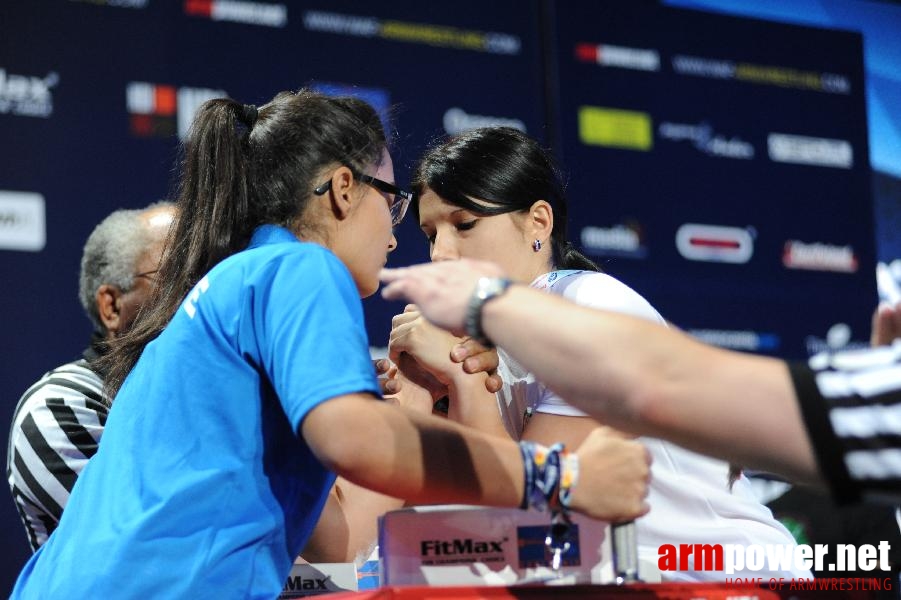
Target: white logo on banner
column 22, row 221
column 715, row 243
column 25, row 95
column 707, row 140
column 641, row 59
column 804, row 150
column 166, row 101
column 251, row 13
column 616, row 240
column 457, row 120
column 819, row 257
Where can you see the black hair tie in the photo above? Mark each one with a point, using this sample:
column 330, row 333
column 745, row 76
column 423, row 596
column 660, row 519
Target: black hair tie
column 249, row 115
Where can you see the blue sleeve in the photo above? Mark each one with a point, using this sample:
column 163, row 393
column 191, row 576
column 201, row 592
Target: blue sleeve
column 312, row 340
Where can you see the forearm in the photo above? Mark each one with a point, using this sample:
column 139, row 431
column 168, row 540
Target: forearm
column 420, row 458
column 473, row 405
column 641, row 377
column 573, row 351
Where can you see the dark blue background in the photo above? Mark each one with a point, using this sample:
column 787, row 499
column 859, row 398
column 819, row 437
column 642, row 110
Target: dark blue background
column 86, row 162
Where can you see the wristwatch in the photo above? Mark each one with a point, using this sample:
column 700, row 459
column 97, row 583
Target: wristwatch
column 487, row 288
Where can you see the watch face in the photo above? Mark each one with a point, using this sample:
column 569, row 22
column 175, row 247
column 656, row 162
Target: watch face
column 491, row 286
column 486, row 289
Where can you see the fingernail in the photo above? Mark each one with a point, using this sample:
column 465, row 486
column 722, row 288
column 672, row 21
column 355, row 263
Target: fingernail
column 458, row 353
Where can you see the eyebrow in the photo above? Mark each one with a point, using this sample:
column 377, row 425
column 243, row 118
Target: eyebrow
column 453, row 212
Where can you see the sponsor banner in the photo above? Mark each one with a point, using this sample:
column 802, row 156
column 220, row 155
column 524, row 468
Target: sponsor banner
column 838, row 337
column 157, row 110
column 819, row 257
column 416, row 33
column 615, row 128
column 459, row 545
column 118, row 3
column 456, row 120
column 621, row 240
column 315, row 579
column 377, row 98
column 706, row 140
column 715, row 68
column 888, row 281
column 239, row 11
column 744, row 340
column 23, row 223
column 805, row 150
column 715, row 243
column 773, row 558
column 532, row 549
column 607, row 55
column 27, row 95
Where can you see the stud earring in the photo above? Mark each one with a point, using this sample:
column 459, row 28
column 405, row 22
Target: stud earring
column 536, row 245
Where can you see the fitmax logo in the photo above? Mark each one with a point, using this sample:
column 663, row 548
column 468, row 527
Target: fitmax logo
column 460, row 546
column 298, row 583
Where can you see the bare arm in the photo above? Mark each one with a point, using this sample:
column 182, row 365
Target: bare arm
column 429, row 460
column 348, row 526
column 471, row 404
column 628, row 373
column 886, row 324
column 658, row 382
column 428, row 348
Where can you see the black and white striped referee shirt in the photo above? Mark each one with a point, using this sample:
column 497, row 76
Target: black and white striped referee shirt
column 851, row 402
column 56, row 427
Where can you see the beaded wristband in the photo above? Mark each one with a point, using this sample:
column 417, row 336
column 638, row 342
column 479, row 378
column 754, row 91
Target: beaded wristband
column 549, row 475
column 569, row 478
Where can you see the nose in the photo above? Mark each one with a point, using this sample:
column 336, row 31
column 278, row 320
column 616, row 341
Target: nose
column 444, row 249
column 392, row 243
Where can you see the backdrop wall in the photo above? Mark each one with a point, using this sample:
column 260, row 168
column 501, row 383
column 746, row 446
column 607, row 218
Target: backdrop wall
column 718, row 164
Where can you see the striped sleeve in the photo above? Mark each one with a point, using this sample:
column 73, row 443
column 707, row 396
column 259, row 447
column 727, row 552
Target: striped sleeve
column 56, row 427
column 851, row 403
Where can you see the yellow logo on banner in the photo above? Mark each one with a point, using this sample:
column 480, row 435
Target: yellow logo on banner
column 615, row 128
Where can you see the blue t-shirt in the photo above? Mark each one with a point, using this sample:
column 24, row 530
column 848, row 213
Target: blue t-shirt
column 202, row 486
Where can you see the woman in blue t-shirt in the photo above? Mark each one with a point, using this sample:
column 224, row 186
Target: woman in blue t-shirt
column 246, row 384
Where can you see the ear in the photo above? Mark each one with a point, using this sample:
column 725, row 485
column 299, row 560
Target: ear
column 540, row 222
column 340, row 194
column 107, row 299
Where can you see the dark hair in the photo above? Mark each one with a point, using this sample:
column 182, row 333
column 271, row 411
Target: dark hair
column 506, row 169
column 241, row 168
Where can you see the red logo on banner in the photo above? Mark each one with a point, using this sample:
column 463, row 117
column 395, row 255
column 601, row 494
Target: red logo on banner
column 199, row 8
column 715, row 243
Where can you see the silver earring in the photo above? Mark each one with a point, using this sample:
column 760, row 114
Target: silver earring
column 536, row 245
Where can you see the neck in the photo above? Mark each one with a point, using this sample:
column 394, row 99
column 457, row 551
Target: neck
column 537, row 270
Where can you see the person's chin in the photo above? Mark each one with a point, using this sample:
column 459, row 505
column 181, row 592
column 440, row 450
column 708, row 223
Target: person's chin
column 367, row 288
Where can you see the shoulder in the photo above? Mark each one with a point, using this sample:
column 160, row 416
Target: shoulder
column 75, row 377
column 599, row 290
column 301, row 260
column 74, row 385
column 295, row 270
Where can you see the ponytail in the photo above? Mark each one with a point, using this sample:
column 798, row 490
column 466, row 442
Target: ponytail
column 212, row 222
column 240, row 167
column 567, row 257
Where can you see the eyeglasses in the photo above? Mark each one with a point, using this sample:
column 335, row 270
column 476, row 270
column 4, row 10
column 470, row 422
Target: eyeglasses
column 398, row 202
